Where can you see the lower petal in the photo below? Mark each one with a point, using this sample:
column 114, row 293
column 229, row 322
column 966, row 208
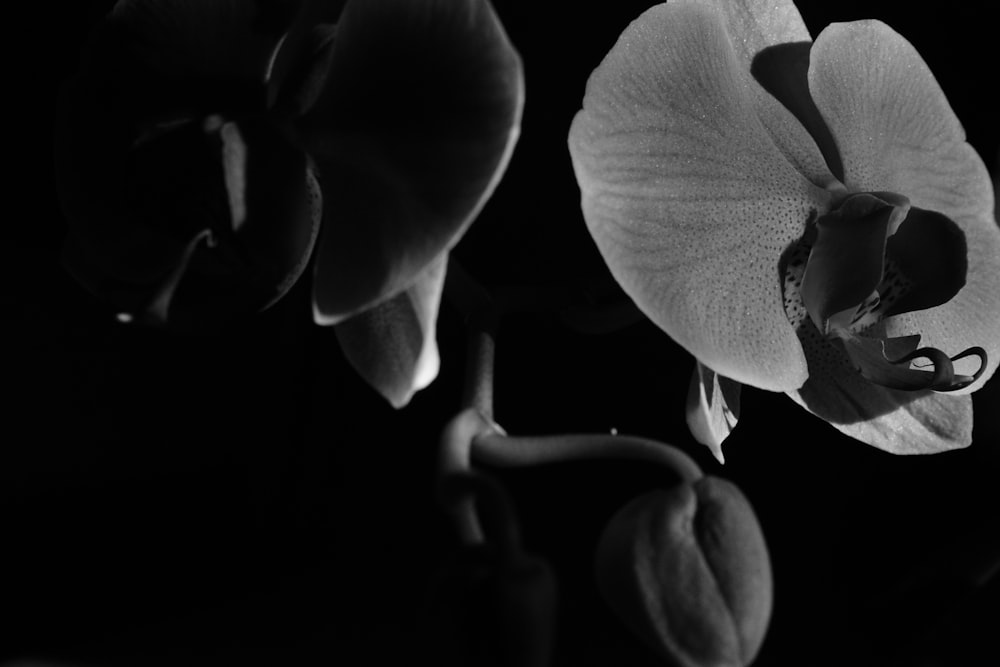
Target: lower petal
column 393, row 345
column 896, row 421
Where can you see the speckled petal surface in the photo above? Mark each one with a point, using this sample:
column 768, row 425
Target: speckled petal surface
column 393, row 345
column 417, row 120
column 899, row 422
column 770, row 41
column 688, row 195
column 896, row 132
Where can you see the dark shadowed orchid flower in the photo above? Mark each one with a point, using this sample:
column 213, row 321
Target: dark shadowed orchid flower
column 800, row 216
column 413, row 130
column 204, row 145
column 189, row 198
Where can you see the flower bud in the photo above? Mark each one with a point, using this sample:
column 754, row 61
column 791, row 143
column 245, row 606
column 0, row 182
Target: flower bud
column 688, row 570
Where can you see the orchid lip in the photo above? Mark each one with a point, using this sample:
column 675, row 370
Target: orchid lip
column 900, row 371
column 871, row 258
column 944, row 376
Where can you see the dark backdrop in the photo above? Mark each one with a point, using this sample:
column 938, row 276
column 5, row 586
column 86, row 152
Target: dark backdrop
column 245, row 498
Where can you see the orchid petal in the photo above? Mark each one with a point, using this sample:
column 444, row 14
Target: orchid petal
column 887, row 362
column 393, row 345
column 771, row 41
column 893, row 420
column 713, row 408
column 416, row 123
column 896, row 132
column 306, row 72
column 846, row 261
column 688, row 195
column 930, row 251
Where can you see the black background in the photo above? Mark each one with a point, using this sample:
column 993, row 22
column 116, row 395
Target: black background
column 245, row 498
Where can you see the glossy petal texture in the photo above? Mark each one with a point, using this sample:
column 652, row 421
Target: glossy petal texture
column 690, row 196
column 393, row 346
column 896, row 132
column 415, row 125
column 713, row 408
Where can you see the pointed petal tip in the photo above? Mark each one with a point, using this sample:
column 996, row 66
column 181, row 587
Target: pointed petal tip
column 713, row 408
column 716, row 450
column 393, row 345
column 325, row 319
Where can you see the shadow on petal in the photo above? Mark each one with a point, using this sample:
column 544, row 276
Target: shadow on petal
column 893, row 420
column 421, row 106
column 783, row 71
column 896, row 132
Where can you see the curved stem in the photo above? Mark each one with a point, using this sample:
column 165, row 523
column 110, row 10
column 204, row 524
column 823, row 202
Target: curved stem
column 497, row 449
column 462, row 490
column 454, row 460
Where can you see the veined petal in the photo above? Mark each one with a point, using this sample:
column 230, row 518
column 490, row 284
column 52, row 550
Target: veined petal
column 771, row 41
column 896, row 421
column 688, row 195
column 416, row 123
column 393, row 345
column 896, row 132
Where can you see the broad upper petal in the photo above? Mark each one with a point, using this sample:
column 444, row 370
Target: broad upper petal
column 688, row 194
column 770, row 40
column 415, row 125
column 896, row 132
column 393, row 345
